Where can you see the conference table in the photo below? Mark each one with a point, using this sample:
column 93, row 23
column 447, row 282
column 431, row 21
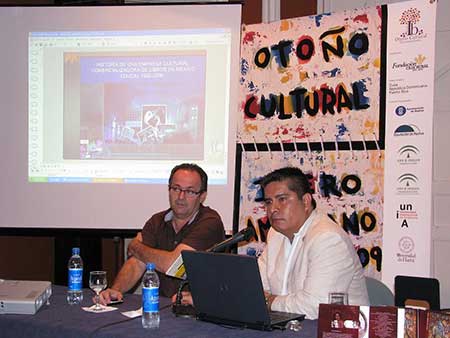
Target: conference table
column 59, row 319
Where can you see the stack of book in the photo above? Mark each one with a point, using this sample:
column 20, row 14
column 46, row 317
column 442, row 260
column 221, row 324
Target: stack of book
column 349, row 321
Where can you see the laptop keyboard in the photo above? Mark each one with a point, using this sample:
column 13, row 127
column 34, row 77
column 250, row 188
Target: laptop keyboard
column 276, row 317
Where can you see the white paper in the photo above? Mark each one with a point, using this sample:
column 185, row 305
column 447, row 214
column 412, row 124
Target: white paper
column 104, row 309
column 133, row 313
column 177, row 269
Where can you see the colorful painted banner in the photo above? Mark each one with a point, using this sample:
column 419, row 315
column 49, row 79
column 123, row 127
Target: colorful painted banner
column 317, row 79
column 312, row 76
column 348, row 186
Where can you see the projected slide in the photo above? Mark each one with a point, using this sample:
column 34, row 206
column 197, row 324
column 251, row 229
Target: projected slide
column 135, row 107
column 125, row 106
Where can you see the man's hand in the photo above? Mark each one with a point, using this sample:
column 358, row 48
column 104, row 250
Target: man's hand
column 269, row 299
column 109, row 294
column 132, row 247
column 186, row 298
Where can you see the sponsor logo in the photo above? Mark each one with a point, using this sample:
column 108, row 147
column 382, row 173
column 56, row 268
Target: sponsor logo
column 406, row 252
column 408, row 155
column 415, row 109
column 404, row 224
column 405, row 213
column 407, row 184
column 411, row 19
column 416, row 65
column 400, row 110
column 406, row 244
column 408, row 130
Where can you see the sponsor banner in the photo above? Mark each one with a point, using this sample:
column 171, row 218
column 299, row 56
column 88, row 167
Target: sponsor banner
column 408, row 152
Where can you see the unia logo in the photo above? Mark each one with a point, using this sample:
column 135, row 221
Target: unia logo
column 410, row 18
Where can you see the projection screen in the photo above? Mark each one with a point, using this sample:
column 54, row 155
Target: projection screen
column 99, row 103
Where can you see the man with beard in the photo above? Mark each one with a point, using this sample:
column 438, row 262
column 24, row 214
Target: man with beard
column 187, row 225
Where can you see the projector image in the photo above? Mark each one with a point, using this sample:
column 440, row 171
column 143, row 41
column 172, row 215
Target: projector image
column 23, row 297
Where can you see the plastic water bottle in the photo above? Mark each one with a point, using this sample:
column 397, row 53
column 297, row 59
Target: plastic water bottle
column 150, row 298
column 75, row 284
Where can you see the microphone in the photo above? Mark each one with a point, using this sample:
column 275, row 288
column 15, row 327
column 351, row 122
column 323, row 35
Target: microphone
column 243, row 235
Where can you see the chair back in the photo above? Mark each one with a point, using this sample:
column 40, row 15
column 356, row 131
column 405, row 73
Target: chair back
column 379, row 293
column 417, row 291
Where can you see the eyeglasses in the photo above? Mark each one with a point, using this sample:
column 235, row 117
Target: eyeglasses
column 187, row 192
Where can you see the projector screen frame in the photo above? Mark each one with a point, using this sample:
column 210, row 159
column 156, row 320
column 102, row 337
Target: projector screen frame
column 136, row 225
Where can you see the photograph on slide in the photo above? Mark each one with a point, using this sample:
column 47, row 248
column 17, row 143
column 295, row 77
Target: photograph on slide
column 134, row 105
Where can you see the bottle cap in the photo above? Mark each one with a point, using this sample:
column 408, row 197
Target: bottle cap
column 150, row 266
column 75, row 251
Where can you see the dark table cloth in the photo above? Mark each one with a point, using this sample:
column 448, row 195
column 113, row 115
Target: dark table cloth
column 62, row 320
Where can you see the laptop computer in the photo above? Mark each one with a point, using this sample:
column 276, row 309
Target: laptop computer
column 227, row 289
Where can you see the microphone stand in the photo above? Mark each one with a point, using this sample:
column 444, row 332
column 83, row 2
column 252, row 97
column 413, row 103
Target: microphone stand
column 182, row 310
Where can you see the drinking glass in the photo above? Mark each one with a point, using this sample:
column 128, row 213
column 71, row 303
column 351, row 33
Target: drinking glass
column 97, row 282
column 338, row 298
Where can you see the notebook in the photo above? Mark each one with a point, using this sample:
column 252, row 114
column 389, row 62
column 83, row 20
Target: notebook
column 227, row 289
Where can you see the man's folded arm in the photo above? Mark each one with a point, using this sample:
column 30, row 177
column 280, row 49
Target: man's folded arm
column 162, row 259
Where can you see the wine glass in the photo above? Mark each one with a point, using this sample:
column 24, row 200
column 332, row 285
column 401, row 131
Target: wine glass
column 97, row 282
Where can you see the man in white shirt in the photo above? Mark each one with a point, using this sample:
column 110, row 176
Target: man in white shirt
column 307, row 254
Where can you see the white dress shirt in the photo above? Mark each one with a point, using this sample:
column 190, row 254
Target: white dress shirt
column 321, row 259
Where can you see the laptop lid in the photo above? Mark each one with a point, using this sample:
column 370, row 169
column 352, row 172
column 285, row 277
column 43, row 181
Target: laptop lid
column 411, row 290
column 227, row 289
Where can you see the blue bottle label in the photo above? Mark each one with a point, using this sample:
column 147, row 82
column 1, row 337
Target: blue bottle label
column 75, row 279
column 150, row 299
